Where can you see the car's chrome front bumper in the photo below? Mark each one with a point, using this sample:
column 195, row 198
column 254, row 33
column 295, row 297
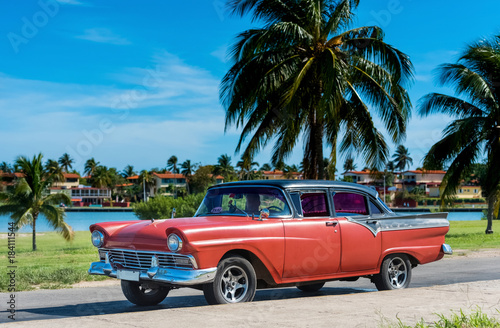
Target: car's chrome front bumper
column 158, row 274
column 447, row 249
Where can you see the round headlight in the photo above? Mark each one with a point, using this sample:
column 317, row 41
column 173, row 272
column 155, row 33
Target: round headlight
column 174, row 242
column 97, row 238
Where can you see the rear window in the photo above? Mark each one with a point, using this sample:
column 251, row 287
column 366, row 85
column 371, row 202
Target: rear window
column 314, row 204
column 350, row 204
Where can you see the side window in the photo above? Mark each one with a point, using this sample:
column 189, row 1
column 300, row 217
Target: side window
column 295, row 196
column 350, row 204
column 314, row 204
column 374, row 208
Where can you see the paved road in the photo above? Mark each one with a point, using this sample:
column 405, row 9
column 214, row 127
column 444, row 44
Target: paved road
column 84, row 302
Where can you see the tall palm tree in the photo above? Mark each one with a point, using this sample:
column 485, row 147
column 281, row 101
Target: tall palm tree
column 304, row 74
column 402, row 158
column 224, row 167
column 128, row 171
column 90, row 167
column 147, row 180
column 475, row 131
column 172, row 164
column 66, row 162
column 29, row 200
column 187, row 170
column 53, row 169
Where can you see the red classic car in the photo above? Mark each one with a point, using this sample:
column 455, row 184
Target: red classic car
column 260, row 234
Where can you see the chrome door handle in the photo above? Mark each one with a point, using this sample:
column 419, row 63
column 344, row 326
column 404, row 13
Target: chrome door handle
column 331, row 224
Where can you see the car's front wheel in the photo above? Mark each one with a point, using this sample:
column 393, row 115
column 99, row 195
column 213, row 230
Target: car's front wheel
column 140, row 295
column 235, row 282
column 395, row 273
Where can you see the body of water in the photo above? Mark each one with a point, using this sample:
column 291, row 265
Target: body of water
column 80, row 221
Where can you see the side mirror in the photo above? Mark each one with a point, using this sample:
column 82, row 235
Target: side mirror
column 264, row 214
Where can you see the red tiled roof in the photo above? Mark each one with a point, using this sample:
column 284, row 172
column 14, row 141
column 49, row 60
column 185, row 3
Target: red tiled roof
column 168, row 175
column 358, row 172
column 71, row 176
column 135, row 177
column 125, row 185
column 426, row 172
column 12, row 175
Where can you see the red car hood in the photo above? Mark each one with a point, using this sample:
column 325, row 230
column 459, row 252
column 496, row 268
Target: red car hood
column 147, row 235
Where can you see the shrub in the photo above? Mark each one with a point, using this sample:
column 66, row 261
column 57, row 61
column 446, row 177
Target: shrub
column 160, row 207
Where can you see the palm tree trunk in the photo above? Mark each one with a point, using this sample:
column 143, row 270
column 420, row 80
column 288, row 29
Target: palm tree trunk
column 35, row 216
column 491, row 205
column 314, row 151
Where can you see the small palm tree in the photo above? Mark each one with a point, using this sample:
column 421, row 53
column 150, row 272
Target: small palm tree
column 187, row 170
column 349, row 164
column 29, row 199
column 266, row 167
column 147, row 180
column 102, row 178
column 53, row 169
column 66, row 162
column 224, row 167
column 6, row 168
column 247, row 167
column 402, row 158
column 172, row 164
column 90, row 167
column 475, row 132
column 305, row 74
column 128, row 171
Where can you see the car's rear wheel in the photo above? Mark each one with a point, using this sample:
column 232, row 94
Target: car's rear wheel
column 311, row 288
column 395, row 273
column 235, row 282
column 141, row 295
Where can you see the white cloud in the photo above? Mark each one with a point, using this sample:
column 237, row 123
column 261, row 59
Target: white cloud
column 221, row 53
column 168, row 108
column 103, row 35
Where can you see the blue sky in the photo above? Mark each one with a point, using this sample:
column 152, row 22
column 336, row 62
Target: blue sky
column 130, row 82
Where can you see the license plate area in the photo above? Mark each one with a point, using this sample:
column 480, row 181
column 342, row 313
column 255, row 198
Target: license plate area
column 130, row 275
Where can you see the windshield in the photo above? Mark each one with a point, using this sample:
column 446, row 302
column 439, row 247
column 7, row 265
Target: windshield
column 245, row 201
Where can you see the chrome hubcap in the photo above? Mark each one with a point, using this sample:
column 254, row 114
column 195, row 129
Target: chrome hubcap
column 234, row 284
column 397, row 272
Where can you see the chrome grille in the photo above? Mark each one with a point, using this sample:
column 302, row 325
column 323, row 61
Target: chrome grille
column 131, row 259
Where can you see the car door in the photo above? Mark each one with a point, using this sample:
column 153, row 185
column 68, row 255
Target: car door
column 361, row 240
column 312, row 239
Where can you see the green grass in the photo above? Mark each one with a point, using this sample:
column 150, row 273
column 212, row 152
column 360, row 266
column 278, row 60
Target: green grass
column 476, row 319
column 58, row 264
column 470, row 235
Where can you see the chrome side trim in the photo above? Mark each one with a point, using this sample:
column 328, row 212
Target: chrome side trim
column 377, row 224
column 447, row 249
column 161, row 275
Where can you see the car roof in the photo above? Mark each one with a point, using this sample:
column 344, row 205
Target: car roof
column 302, row 184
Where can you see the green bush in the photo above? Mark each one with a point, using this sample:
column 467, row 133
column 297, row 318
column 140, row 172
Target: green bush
column 160, row 207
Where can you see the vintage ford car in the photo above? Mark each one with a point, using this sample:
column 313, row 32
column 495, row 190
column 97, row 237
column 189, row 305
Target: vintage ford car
column 273, row 233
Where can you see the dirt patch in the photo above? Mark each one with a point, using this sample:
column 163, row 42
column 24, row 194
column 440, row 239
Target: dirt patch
column 481, row 253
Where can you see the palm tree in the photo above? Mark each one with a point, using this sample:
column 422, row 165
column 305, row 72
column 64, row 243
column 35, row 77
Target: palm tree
column 266, row 167
column 349, row 164
column 247, row 167
column 172, row 164
column 304, row 74
column 90, row 167
column 402, row 158
column 29, row 199
column 53, row 169
column 187, row 170
column 475, row 131
column 102, row 177
column 66, row 162
column 224, row 167
column 6, row 168
column 128, row 171
column 147, row 180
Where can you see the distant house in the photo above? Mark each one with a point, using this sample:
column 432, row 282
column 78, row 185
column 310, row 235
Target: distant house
column 164, row 182
column 429, row 180
column 71, row 180
column 8, row 180
column 84, row 195
column 365, row 177
column 469, row 191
